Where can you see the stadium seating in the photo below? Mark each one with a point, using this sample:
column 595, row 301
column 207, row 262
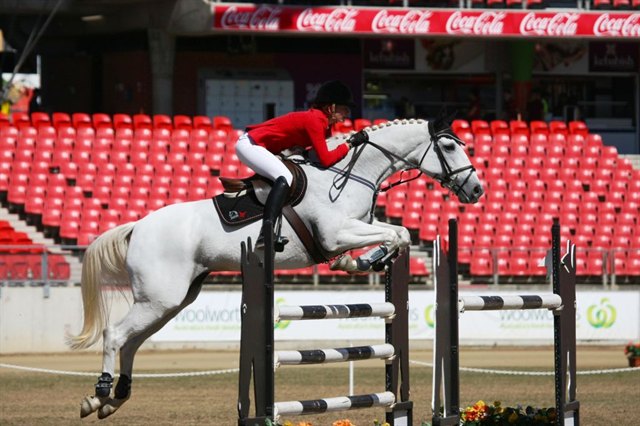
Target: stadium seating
column 82, row 174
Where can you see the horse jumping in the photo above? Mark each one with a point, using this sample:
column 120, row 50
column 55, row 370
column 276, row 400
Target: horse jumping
column 164, row 257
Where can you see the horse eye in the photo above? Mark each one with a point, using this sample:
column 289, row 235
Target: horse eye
column 450, row 147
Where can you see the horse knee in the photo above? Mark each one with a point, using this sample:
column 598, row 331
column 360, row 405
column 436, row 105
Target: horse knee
column 405, row 237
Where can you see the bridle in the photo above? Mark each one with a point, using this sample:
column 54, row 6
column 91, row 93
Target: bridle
column 446, row 178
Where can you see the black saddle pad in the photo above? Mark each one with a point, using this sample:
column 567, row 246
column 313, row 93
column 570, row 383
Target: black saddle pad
column 236, row 211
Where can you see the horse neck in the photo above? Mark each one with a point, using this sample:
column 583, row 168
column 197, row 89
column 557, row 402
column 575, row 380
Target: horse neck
column 401, row 138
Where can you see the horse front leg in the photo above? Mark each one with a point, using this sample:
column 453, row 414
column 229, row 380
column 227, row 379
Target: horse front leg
column 355, row 234
column 404, row 237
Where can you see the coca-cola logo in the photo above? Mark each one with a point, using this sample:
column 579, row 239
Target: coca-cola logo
column 261, row 18
column 558, row 24
column 627, row 26
column 410, row 22
column 338, row 20
column 487, row 23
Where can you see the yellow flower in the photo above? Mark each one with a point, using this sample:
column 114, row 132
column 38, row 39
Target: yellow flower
column 343, row 422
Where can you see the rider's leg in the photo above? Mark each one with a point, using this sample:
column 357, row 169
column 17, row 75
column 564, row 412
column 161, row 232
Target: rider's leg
column 261, row 161
column 273, row 210
column 268, row 165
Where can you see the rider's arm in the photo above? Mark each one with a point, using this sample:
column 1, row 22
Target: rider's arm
column 327, row 158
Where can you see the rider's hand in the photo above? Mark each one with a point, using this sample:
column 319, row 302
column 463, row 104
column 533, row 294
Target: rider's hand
column 358, row 139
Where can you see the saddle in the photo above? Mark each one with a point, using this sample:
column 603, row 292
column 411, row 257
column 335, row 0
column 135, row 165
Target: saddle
column 243, row 202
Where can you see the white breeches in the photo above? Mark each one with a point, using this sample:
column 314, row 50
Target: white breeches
column 260, row 160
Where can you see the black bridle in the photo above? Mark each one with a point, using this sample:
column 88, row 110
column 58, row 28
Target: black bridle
column 446, row 178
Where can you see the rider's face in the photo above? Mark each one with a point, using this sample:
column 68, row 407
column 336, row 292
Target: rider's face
column 338, row 113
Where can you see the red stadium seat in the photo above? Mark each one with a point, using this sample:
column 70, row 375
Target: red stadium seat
column 602, row 4
column 222, row 123
column 182, row 122
column 361, row 123
column 162, row 121
column 480, row 127
column 142, row 121
column 499, row 127
column 481, row 263
column 622, row 4
column 460, row 126
column 519, row 127
column 122, row 121
column 578, row 127
column 202, row 122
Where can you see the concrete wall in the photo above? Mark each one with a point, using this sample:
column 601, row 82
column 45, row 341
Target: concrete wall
column 29, row 322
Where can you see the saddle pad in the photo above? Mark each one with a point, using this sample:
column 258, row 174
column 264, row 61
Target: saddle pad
column 236, row 211
column 245, row 209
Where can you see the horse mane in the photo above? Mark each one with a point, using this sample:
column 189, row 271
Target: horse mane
column 335, row 140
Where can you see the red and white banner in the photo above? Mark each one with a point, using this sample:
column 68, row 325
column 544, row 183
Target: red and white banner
column 425, row 22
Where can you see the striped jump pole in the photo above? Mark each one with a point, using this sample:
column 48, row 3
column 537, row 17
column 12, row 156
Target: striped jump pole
column 321, row 356
column 382, row 310
column 445, row 401
column 258, row 358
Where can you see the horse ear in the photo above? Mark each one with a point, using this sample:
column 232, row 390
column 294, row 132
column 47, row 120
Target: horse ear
column 452, row 117
column 440, row 122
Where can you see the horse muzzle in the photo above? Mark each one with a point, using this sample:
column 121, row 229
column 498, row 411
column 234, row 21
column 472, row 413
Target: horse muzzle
column 469, row 190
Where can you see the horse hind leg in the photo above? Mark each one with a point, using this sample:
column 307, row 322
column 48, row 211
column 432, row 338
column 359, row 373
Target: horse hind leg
column 140, row 317
column 129, row 348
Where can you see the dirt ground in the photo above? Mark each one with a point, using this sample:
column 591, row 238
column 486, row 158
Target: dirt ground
column 38, row 398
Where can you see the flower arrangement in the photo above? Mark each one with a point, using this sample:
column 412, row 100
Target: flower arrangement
column 482, row 414
column 632, row 352
column 343, row 422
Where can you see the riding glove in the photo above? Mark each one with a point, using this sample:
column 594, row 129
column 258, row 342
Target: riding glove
column 358, row 139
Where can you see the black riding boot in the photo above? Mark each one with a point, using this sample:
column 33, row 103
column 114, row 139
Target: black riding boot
column 273, row 210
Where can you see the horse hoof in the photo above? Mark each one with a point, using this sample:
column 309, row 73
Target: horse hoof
column 340, row 263
column 110, row 407
column 88, row 405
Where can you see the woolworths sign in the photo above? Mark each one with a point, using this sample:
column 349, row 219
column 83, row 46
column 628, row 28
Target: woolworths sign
column 215, row 316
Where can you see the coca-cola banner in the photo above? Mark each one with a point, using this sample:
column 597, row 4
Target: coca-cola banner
column 414, row 21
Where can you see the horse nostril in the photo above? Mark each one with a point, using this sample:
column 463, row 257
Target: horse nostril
column 477, row 189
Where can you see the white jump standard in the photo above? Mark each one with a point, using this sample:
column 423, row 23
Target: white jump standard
column 449, row 305
column 258, row 358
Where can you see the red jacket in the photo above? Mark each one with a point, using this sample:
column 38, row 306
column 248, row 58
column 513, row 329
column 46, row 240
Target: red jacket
column 305, row 129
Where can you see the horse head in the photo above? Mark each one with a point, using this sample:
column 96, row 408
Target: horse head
column 446, row 161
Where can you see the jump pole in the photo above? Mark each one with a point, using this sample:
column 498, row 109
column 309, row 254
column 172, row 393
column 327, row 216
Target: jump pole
column 446, row 374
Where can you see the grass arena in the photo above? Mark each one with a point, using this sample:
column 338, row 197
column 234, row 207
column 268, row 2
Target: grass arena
column 51, row 398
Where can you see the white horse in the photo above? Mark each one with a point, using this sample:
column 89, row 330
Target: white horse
column 165, row 256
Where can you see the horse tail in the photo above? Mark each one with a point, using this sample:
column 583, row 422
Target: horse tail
column 104, row 261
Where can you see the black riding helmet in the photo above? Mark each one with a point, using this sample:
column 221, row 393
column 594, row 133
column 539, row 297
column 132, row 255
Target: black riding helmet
column 334, row 92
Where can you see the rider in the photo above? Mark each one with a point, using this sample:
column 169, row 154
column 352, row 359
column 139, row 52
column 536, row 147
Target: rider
column 258, row 146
